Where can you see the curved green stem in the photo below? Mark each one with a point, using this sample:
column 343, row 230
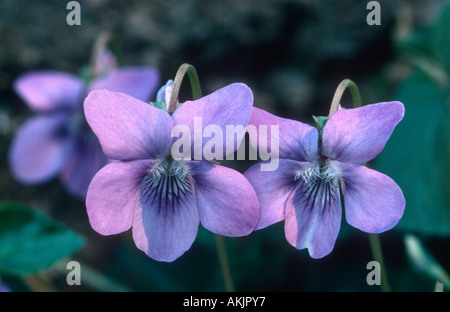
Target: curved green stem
column 194, row 81
column 356, row 97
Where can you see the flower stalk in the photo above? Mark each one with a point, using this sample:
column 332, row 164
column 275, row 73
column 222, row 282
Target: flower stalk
column 197, row 94
column 374, row 239
column 224, row 264
column 356, row 97
column 194, row 81
column 375, row 246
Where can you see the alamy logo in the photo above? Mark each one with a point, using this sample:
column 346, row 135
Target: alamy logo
column 374, row 16
column 374, row 276
column 74, row 16
column 74, row 276
column 212, row 142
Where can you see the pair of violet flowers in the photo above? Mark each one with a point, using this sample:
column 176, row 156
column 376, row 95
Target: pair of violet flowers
column 164, row 200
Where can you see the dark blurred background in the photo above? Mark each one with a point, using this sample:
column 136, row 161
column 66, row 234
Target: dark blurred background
column 292, row 54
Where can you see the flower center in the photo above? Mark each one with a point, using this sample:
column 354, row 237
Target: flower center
column 319, row 185
column 320, row 172
column 166, row 185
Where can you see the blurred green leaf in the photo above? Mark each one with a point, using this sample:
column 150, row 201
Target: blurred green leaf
column 418, row 153
column 31, row 241
column 432, row 41
column 440, row 37
column 429, row 48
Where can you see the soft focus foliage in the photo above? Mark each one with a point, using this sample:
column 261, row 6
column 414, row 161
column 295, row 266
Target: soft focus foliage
column 31, row 241
column 419, row 152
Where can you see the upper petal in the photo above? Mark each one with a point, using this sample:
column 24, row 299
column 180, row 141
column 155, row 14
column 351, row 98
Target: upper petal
column 40, row 148
column 313, row 218
column 358, row 135
column 226, row 109
column 374, row 203
column 128, row 128
column 273, row 189
column 295, row 140
column 48, row 90
column 113, row 195
column 226, row 200
column 139, row 82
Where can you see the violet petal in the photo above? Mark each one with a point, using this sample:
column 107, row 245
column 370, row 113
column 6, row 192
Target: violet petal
column 358, row 135
column 166, row 220
column 297, row 141
column 313, row 218
column 113, row 195
column 49, row 90
column 127, row 128
column 139, row 82
column 374, row 203
column 226, row 200
column 230, row 106
column 40, row 148
column 273, row 189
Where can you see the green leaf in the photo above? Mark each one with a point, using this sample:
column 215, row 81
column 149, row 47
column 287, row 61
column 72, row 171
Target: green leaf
column 31, row 241
column 418, row 153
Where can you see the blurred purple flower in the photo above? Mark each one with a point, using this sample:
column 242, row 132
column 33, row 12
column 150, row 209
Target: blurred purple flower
column 4, row 287
column 304, row 190
column 163, row 199
column 58, row 141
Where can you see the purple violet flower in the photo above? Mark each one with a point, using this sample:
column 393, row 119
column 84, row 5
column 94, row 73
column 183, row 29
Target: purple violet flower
column 164, row 200
column 305, row 189
column 58, row 141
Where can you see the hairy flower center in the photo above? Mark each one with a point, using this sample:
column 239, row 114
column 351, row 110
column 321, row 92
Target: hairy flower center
column 319, row 185
column 318, row 173
column 168, row 184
